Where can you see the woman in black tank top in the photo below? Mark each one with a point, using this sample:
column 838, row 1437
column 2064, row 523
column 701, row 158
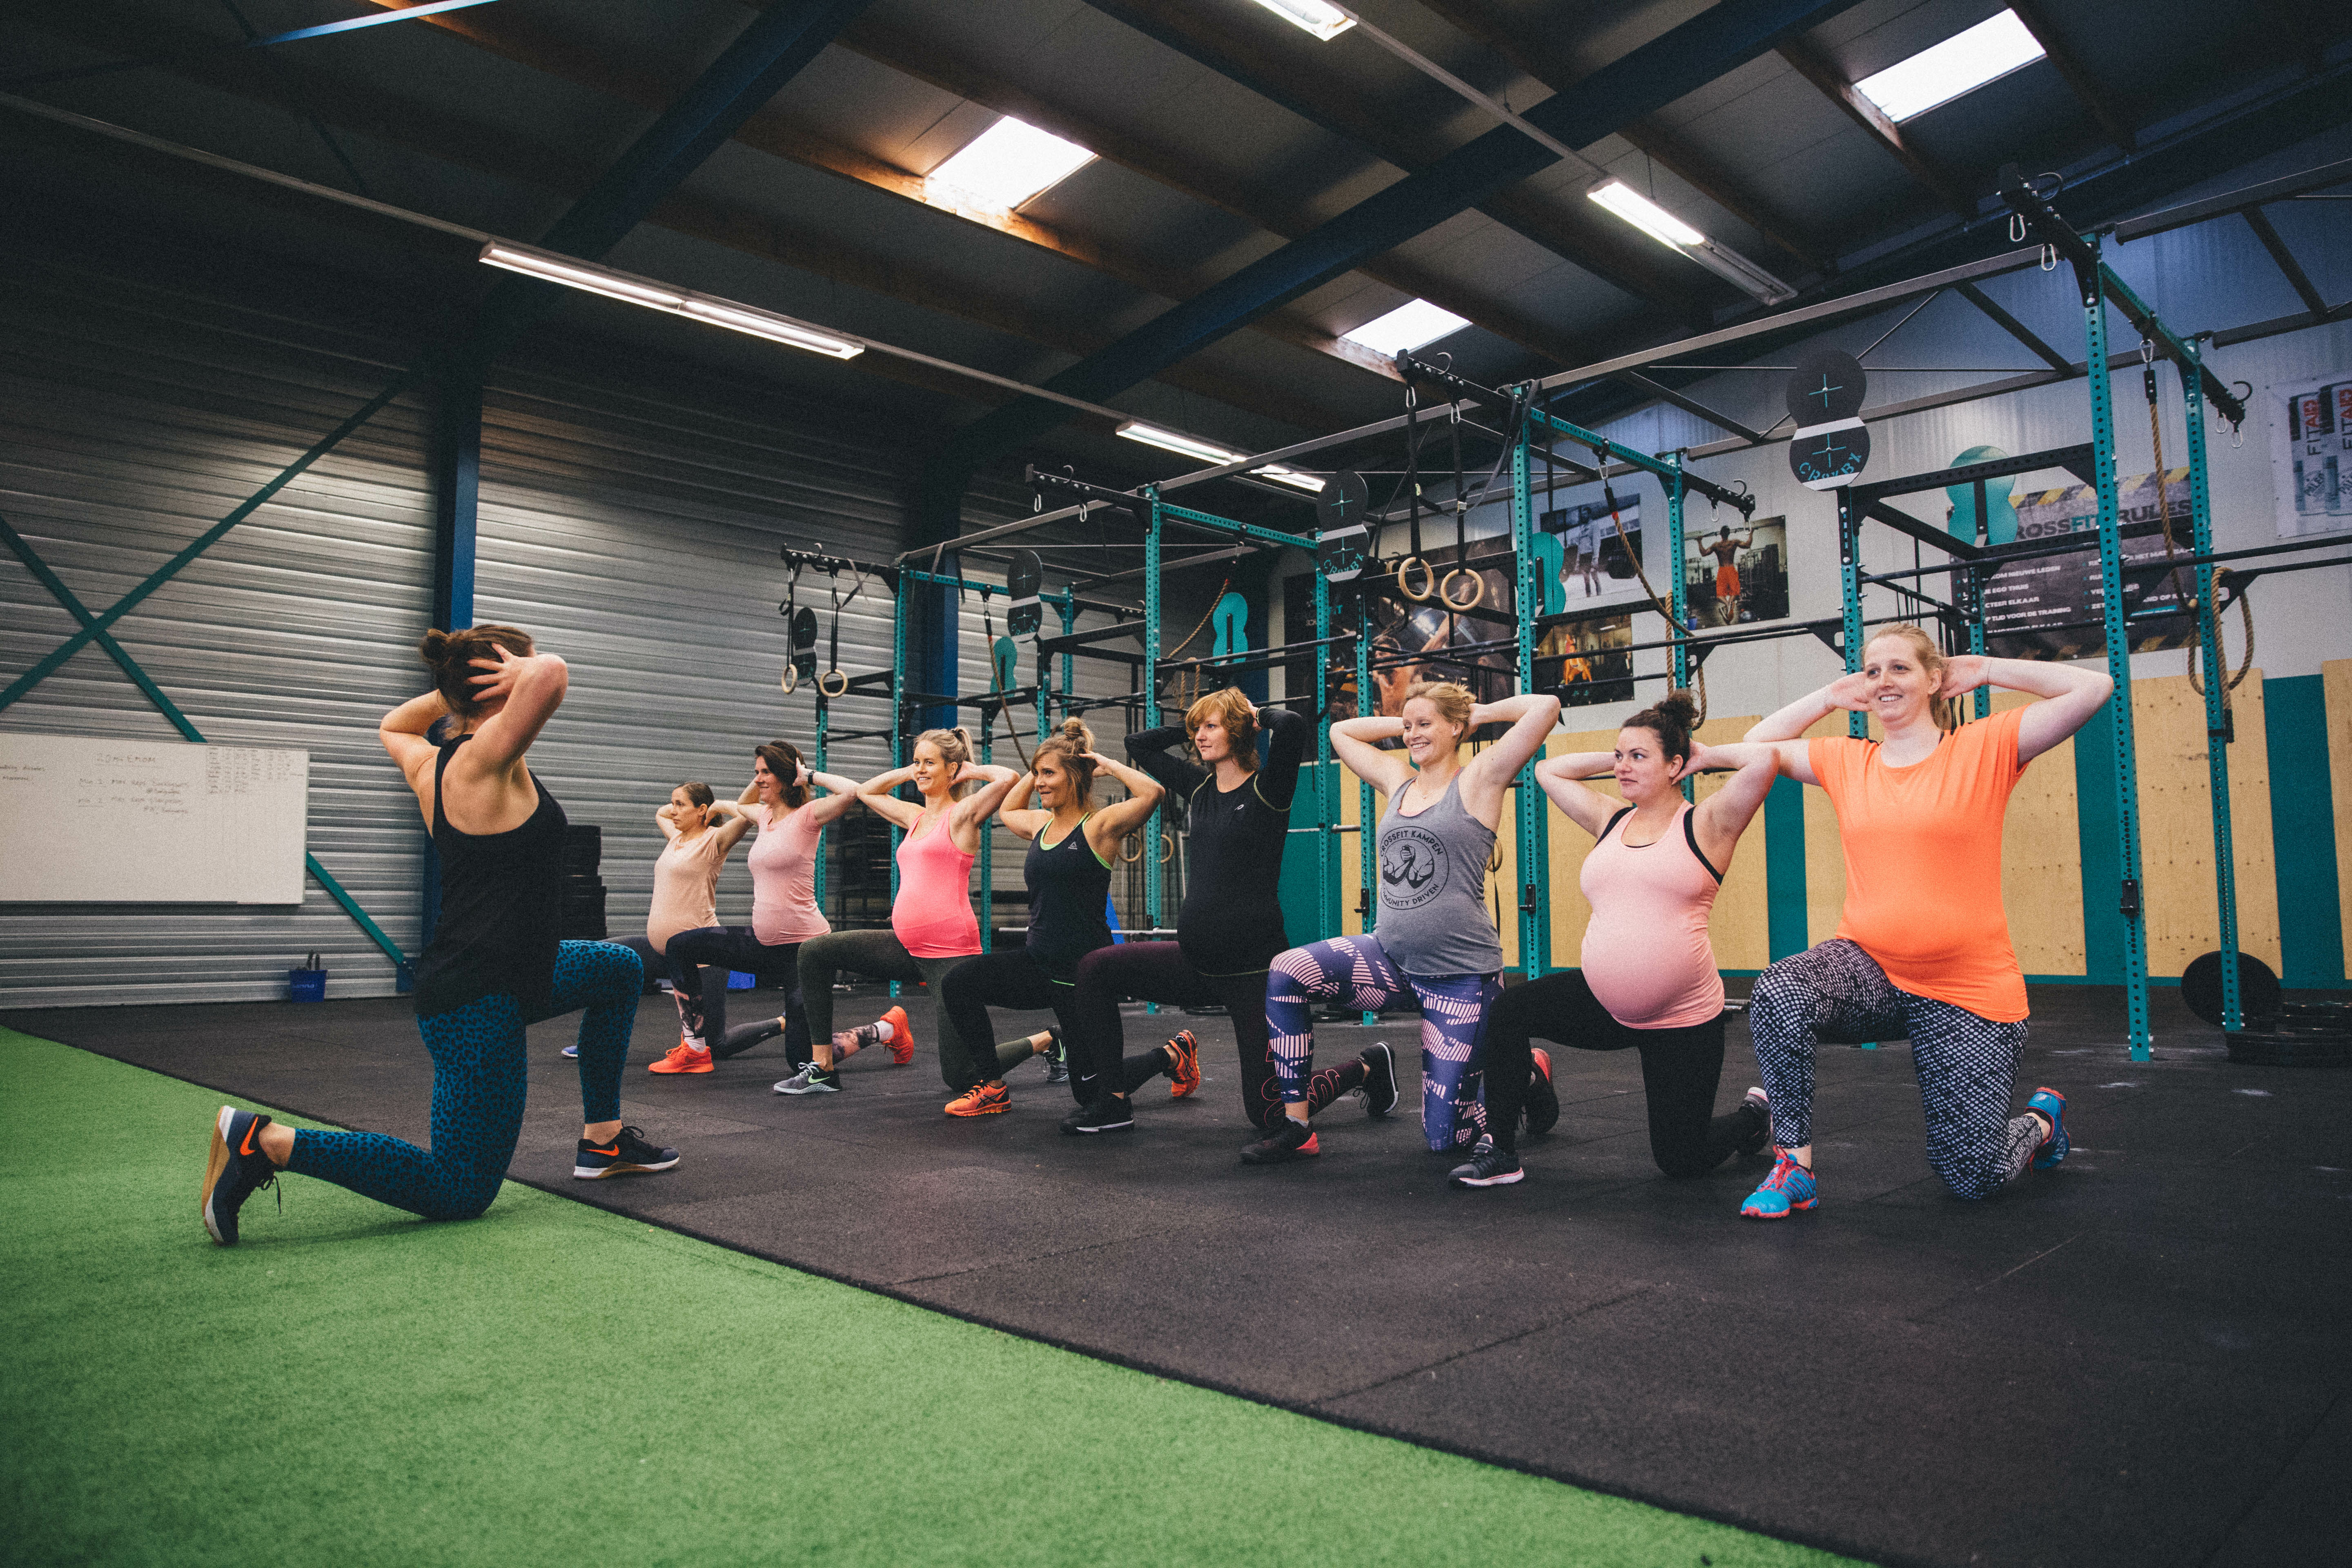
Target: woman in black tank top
column 494, row 965
column 1071, row 850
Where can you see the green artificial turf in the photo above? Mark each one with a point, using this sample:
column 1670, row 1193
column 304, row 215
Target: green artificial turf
column 551, row 1384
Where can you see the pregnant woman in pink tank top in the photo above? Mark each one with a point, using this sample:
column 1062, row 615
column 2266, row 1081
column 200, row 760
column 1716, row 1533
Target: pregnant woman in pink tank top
column 1648, row 978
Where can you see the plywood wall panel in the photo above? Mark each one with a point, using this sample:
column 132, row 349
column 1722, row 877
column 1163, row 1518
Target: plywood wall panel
column 2177, row 825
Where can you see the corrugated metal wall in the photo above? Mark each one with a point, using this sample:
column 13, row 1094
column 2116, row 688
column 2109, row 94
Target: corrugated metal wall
column 131, row 420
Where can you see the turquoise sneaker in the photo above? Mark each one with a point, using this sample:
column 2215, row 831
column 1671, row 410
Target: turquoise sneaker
column 1789, row 1187
column 2051, row 1104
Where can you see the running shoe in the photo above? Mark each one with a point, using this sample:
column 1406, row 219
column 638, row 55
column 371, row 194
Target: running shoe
column 682, row 1057
column 572, row 1051
column 982, row 1100
column 1111, row 1113
column 1184, row 1073
column 1488, row 1167
column 1542, row 1106
column 626, row 1154
column 1290, row 1140
column 235, row 1169
column 2051, row 1104
column 1057, row 1056
column 1789, row 1187
column 1755, row 1143
column 902, row 1036
column 1379, row 1090
column 812, row 1079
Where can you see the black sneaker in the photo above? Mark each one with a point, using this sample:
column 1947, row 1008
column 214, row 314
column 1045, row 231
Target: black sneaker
column 234, row 1170
column 1542, row 1106
column 1379, row 1079
column 1760, row 1106
column 1488, row 1167
column 1111, row 1113
column 626, row 1154
column 1058, row 1065
column 1290, row 1140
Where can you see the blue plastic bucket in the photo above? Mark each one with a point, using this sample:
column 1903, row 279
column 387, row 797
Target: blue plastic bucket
column 306, row 985
column 738, row 980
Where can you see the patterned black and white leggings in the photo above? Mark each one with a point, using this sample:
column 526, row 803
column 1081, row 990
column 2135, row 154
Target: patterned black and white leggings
column 1966, row 1065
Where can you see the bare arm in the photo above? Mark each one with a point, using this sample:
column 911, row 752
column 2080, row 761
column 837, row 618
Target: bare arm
column 1588, row 808
column 1351, row 742
column 974, row 810
column 876, row 792
column 2069, row 695
column 730, row 823
column 1107, row 826
column 1017, row 814
column 402, row 733
column 835, row 805
column 533, row 686
column 667, row 820
column 1723, row 817
column 1531, row 716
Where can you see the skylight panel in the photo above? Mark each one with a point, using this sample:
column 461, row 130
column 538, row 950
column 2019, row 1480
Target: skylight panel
column 1007, row 164
column 1406, row 328
column 1960, row 64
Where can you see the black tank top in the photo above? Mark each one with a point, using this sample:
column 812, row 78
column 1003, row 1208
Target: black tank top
column 500, row 894
column 1068, row 887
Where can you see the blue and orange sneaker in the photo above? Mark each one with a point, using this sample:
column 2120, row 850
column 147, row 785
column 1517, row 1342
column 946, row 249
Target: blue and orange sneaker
column 2051, row 1104
column 235, row 1169
column 1788, row 1188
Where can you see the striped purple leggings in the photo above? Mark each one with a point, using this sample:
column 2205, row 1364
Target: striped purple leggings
column 1355, row 973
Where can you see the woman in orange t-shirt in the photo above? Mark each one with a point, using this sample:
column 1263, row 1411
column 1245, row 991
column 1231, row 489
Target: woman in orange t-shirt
column 1922, row 951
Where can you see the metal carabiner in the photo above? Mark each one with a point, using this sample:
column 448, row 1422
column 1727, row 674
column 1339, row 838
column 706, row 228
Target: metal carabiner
column 2017, row 228
column 2148, row 352
column 2049, row 257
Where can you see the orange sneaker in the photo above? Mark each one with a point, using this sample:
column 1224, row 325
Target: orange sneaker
column 982, row 1100
column 683, row 1058
column 902, row 1036
column 1184, row 1076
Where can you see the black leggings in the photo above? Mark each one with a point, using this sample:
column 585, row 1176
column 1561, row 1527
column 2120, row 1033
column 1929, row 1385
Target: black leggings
column 737, row 947
column 1680, row 1070
column 657, row 967
column 1015, row 980
column 1159, row 972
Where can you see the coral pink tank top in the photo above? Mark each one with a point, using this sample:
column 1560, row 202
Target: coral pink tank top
column 1645, row 950
column 932, row 913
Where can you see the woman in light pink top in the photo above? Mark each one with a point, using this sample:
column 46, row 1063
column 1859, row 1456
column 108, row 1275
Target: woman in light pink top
column 698, row 832
column 782, row 862
column 1648, row 978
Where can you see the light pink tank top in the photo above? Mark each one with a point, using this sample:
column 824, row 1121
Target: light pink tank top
column 783, row 876
column 932, row 913
column 1645, row 950
column 686, row 888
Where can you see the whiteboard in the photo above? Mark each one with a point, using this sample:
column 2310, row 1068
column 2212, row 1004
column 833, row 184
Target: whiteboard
column 94, row 821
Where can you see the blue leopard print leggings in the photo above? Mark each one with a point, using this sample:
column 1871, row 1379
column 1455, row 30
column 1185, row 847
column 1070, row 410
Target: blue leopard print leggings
column 478, row 1079
column 1355, row 973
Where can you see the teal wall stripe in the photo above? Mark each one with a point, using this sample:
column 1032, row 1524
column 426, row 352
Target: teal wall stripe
column 1784, row 867
column 2303, row 832
column 2100, row 839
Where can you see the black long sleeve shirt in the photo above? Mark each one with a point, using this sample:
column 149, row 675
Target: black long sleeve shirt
column 1231, row 920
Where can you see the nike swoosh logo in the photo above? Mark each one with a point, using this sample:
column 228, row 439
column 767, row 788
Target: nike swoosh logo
column 251, row 1128
column 616, row 1149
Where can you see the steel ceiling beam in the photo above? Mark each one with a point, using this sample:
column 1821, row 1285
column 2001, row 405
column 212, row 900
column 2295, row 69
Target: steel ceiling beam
column 1534, row 54
column 2074, row 73
column 1831, row 79
column 1679, row 61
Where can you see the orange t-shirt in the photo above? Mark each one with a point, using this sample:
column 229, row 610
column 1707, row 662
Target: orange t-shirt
column 1923, row 862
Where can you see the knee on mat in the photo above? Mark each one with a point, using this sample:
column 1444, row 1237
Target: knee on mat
column 1972, row 1184
column 462, row 1197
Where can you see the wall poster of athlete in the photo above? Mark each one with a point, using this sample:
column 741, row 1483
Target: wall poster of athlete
column 1427, row 642
column 1732, row 575
column 1595, row 567
column 2311, row 455
column 1588, row 660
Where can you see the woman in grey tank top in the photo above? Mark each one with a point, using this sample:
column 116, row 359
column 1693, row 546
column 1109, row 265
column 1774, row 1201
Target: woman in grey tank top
column 1431, row 942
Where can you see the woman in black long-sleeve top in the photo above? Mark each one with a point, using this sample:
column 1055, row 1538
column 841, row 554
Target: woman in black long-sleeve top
column 1229, row 927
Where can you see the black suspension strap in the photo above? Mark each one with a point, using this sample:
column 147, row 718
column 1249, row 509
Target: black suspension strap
column 789, row 609
column 1470, row 598
column 1413, row 486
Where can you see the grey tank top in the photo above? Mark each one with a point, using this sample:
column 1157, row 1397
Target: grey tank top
column 1433, row 918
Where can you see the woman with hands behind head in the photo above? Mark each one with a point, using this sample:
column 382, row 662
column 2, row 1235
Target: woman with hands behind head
column 1647, row 976
column 1073, row 845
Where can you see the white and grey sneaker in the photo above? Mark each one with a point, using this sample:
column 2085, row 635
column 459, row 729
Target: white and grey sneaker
column 1488, row 1167
column 812, row 1079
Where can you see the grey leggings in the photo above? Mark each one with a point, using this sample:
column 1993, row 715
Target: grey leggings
column 1966, row 1065
column 880, row 955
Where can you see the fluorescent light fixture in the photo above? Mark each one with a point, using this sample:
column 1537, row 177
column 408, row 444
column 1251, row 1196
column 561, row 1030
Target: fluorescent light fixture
column 572, row 273
column 775, row 328
column 1008, row 164
column 1675, row 235
column 1325, row 22
column 1410, row 326
column 1960, row 64
column 1309, row 482
column 1193, row 446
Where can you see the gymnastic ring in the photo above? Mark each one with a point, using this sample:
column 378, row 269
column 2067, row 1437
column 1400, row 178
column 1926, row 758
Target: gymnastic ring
column 1429, row 579
column 1167, row 847
column 1124, row 857
column 832, row 675
column 1478, row 590
column 792, row 681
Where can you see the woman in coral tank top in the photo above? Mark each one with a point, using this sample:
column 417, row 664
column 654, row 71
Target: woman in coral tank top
column 1648, row 978
column 1922, row 951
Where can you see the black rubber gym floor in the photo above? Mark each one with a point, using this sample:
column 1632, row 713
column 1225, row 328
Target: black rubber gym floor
column 2139, row 1359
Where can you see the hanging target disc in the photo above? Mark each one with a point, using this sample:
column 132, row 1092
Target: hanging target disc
column 1343, row 526
column 1021, row 584
column 804, row 625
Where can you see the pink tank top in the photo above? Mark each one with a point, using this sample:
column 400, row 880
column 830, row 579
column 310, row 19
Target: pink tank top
column 1645, row 950
column 685, row 887
column 932, row 913
column 783, row 876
